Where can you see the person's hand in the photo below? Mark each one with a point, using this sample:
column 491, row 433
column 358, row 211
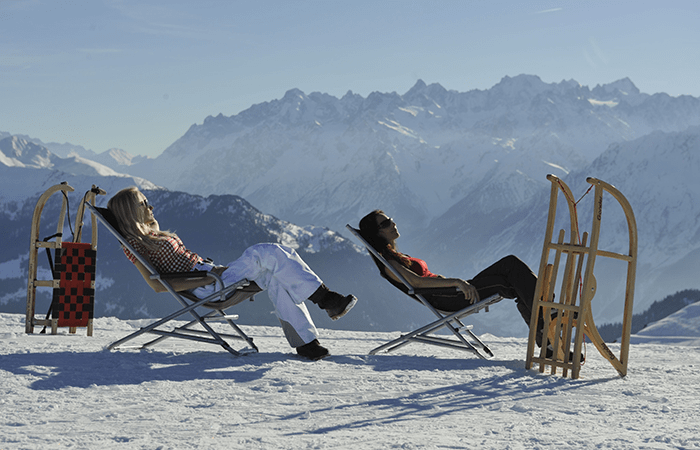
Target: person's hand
column 470, row 292
column 219, row 270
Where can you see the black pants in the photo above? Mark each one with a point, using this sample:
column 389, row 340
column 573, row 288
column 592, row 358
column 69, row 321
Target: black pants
column 508, row 277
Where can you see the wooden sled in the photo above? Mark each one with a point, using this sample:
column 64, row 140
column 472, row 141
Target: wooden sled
column 63, row 314
column 568, row 318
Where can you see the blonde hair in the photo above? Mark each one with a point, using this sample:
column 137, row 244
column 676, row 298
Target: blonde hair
column 129, row 213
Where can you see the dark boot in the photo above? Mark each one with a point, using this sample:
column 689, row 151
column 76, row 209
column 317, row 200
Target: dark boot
column 550, row 353
column 313, row 351
column 336, row 305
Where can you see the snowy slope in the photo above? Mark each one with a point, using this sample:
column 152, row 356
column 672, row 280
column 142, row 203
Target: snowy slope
column 658, row 175
column 680, row 328
column 66, row 391
column 114, row 158
column 18, row 152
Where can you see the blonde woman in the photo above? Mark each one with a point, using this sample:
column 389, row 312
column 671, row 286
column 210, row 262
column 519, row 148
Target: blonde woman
column 276, row 268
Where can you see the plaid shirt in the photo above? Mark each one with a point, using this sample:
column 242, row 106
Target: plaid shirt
column 171, row 255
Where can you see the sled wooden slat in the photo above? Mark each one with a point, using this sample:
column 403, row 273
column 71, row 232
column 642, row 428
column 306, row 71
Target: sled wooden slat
column 36, row 243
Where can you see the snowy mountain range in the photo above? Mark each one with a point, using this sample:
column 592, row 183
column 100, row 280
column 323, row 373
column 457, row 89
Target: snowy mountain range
column 114, row 158
column 317, row 159
column 28, row 168
column 463, row 174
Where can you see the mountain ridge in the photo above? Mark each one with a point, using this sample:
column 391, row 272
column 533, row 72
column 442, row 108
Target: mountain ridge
column 465, row 184
column 418, row 149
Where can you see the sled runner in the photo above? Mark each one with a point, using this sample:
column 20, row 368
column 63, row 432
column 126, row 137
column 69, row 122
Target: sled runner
column 568, row 318
column 73, row 273
column 213, row 306
column 465, row 339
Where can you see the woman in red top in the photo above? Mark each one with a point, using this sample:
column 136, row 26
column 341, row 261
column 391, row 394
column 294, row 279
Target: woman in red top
column 509, row 277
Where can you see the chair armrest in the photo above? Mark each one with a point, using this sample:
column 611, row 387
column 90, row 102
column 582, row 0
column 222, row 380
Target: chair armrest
column 154, row 282
column 436, row 291
column 181, row 275
column 183, row 281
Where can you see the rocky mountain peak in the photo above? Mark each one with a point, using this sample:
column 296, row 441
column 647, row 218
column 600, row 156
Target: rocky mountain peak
column 25, row 152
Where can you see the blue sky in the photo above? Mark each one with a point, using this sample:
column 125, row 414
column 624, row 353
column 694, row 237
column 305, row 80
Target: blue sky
column 137, row 74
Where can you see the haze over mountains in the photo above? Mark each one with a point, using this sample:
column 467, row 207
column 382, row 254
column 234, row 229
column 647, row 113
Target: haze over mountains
column 463, row 173
column 323, row 160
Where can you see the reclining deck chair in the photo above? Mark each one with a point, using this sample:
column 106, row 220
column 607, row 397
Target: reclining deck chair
column 216, row 303
column 449, row 320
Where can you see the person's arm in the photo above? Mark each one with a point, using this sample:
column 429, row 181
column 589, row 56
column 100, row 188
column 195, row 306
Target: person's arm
column 177, row 284
column 166, row 252
column 415, row 280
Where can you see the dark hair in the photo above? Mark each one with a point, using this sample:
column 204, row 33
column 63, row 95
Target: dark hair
column 369, row 230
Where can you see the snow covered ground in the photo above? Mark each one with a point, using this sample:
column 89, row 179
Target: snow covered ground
column 66, row 391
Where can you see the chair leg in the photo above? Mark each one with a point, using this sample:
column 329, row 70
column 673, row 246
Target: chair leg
column 422, row 335
column 241, row 333
column 185, row 332
column 461, row 343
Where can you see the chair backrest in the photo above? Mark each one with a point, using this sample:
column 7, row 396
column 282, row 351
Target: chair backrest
column 404, row 285
column 110, row 218
column 107, row 219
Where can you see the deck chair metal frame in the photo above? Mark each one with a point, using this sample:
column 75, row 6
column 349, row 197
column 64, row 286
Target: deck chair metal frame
column 450, row 320
column 216, row 304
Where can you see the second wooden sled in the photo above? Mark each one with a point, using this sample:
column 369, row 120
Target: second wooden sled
column 568, row 318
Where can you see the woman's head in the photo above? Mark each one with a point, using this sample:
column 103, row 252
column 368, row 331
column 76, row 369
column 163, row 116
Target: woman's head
column 379, row 230
column 132, row 211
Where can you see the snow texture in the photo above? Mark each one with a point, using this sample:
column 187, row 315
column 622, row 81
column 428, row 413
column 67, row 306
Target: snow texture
column 67, row 391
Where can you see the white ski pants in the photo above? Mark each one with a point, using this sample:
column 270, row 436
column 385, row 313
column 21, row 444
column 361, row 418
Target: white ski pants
column 288, row 281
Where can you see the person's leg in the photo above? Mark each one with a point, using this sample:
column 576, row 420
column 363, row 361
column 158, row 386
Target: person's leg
column 510, row 278
column 265, row 263
column 336, row 305
column 298, row 327
column 288, row 281
column 448, row 302
column 284, row 266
